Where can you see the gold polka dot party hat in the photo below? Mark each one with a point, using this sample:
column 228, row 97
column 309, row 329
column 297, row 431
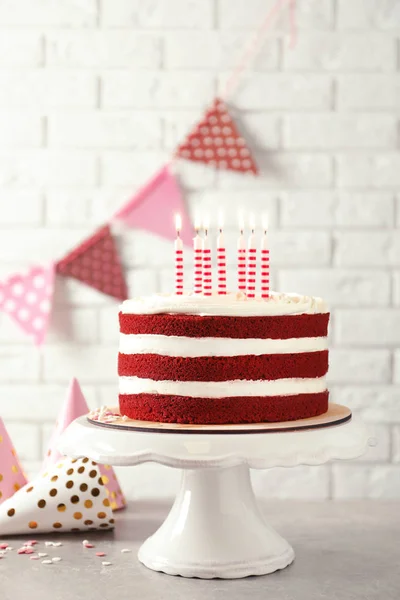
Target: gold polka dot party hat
column 70, row 496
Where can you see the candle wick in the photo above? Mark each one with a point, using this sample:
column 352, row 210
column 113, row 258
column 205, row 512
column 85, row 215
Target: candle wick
column 220, row 229
column 206, row 232
column 252, row 231
column 241, row 232
column 178, row 233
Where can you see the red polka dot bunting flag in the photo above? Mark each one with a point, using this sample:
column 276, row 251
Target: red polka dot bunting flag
column 216, row 141
column 27, row 298
column 96, row 262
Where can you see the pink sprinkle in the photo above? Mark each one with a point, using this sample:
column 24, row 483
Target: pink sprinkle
column 21, row 550
column 88, row 545
column 3, row 546
column 31, row 543
column 100, row 553
column 29, row 551
column 34, row 557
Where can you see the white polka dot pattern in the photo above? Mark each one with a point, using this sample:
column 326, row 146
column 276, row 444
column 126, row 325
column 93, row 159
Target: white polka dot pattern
column 27, row 298
column 217, row 142
column 96, row 262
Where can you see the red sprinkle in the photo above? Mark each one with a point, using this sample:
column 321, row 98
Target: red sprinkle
column 31, row 543
column 29, row 551
column 3, row 546
column 21, row 550
column 100, row 554
column 88, row 545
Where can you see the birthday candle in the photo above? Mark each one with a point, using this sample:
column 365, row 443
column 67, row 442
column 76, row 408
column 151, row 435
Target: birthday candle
column 198, row 262
column 264, row 261
column 241, row 259
column 207, row 276
column 252, row 261
column 221, row 260
column 178, row 257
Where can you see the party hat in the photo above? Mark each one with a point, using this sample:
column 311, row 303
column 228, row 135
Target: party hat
column 12, row 477
column 70, row 496
column 75, row 406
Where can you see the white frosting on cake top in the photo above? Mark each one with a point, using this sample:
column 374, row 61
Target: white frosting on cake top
column 231, row 304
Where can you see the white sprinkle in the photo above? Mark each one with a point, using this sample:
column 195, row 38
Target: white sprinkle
column 57, row 544
column 46, row 562
column 105, row 563
column 56, row 559
column 125, row 550
column 85, row 542
column 42, row 554
column 9, row 548
column 49, row 543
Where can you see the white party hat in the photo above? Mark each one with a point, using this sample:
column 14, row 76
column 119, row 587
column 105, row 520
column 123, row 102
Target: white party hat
column 70, row 496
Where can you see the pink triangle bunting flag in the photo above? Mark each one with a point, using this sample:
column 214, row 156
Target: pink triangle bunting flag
column 27, row 298
column 96, row 263
column 12, row 477
column 155, row 205
column 216, row 141
column 75, row 406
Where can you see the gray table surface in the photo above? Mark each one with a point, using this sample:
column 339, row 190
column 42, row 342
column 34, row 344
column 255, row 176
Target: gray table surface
column 343, row 551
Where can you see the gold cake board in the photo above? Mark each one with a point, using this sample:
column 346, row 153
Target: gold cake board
column 336, row 415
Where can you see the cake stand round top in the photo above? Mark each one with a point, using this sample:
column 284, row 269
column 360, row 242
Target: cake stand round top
column 126, row 447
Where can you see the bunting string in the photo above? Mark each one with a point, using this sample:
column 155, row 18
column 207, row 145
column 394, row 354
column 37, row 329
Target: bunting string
column 214, row 140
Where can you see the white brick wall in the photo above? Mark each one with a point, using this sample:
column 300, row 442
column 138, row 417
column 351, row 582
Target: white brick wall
column 93, row 98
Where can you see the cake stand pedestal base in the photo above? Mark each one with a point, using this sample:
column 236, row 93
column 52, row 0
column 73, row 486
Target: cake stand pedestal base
column 215, row 529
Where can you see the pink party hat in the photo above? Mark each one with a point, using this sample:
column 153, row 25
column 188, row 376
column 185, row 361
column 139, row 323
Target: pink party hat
column 12, row 477
column 76, row 406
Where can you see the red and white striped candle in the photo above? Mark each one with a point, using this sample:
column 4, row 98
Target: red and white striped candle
column 241, row 260
column 207, row 273
column 221, row 261
column 264, row 262
column 198, row 262
column 178, row 257
column 251, row 262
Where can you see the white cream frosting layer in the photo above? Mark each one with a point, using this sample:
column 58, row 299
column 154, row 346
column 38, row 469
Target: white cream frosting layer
column 190, row 347
column 232, row 304
column 222, row 389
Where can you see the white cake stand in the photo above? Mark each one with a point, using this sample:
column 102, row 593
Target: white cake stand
column 215, row 528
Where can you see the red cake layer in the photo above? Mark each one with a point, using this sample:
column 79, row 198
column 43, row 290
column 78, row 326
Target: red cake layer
column 209, row 411
column 224, row 368
column 278, row 327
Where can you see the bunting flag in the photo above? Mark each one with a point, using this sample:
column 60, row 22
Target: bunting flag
column 75, row 406
column 96, row 263
column 27, row 298
column 12, row 477
column 216, row 141
column 154, row 206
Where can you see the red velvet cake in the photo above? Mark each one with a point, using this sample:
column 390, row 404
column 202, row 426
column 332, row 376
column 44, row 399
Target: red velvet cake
column 223, row 359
